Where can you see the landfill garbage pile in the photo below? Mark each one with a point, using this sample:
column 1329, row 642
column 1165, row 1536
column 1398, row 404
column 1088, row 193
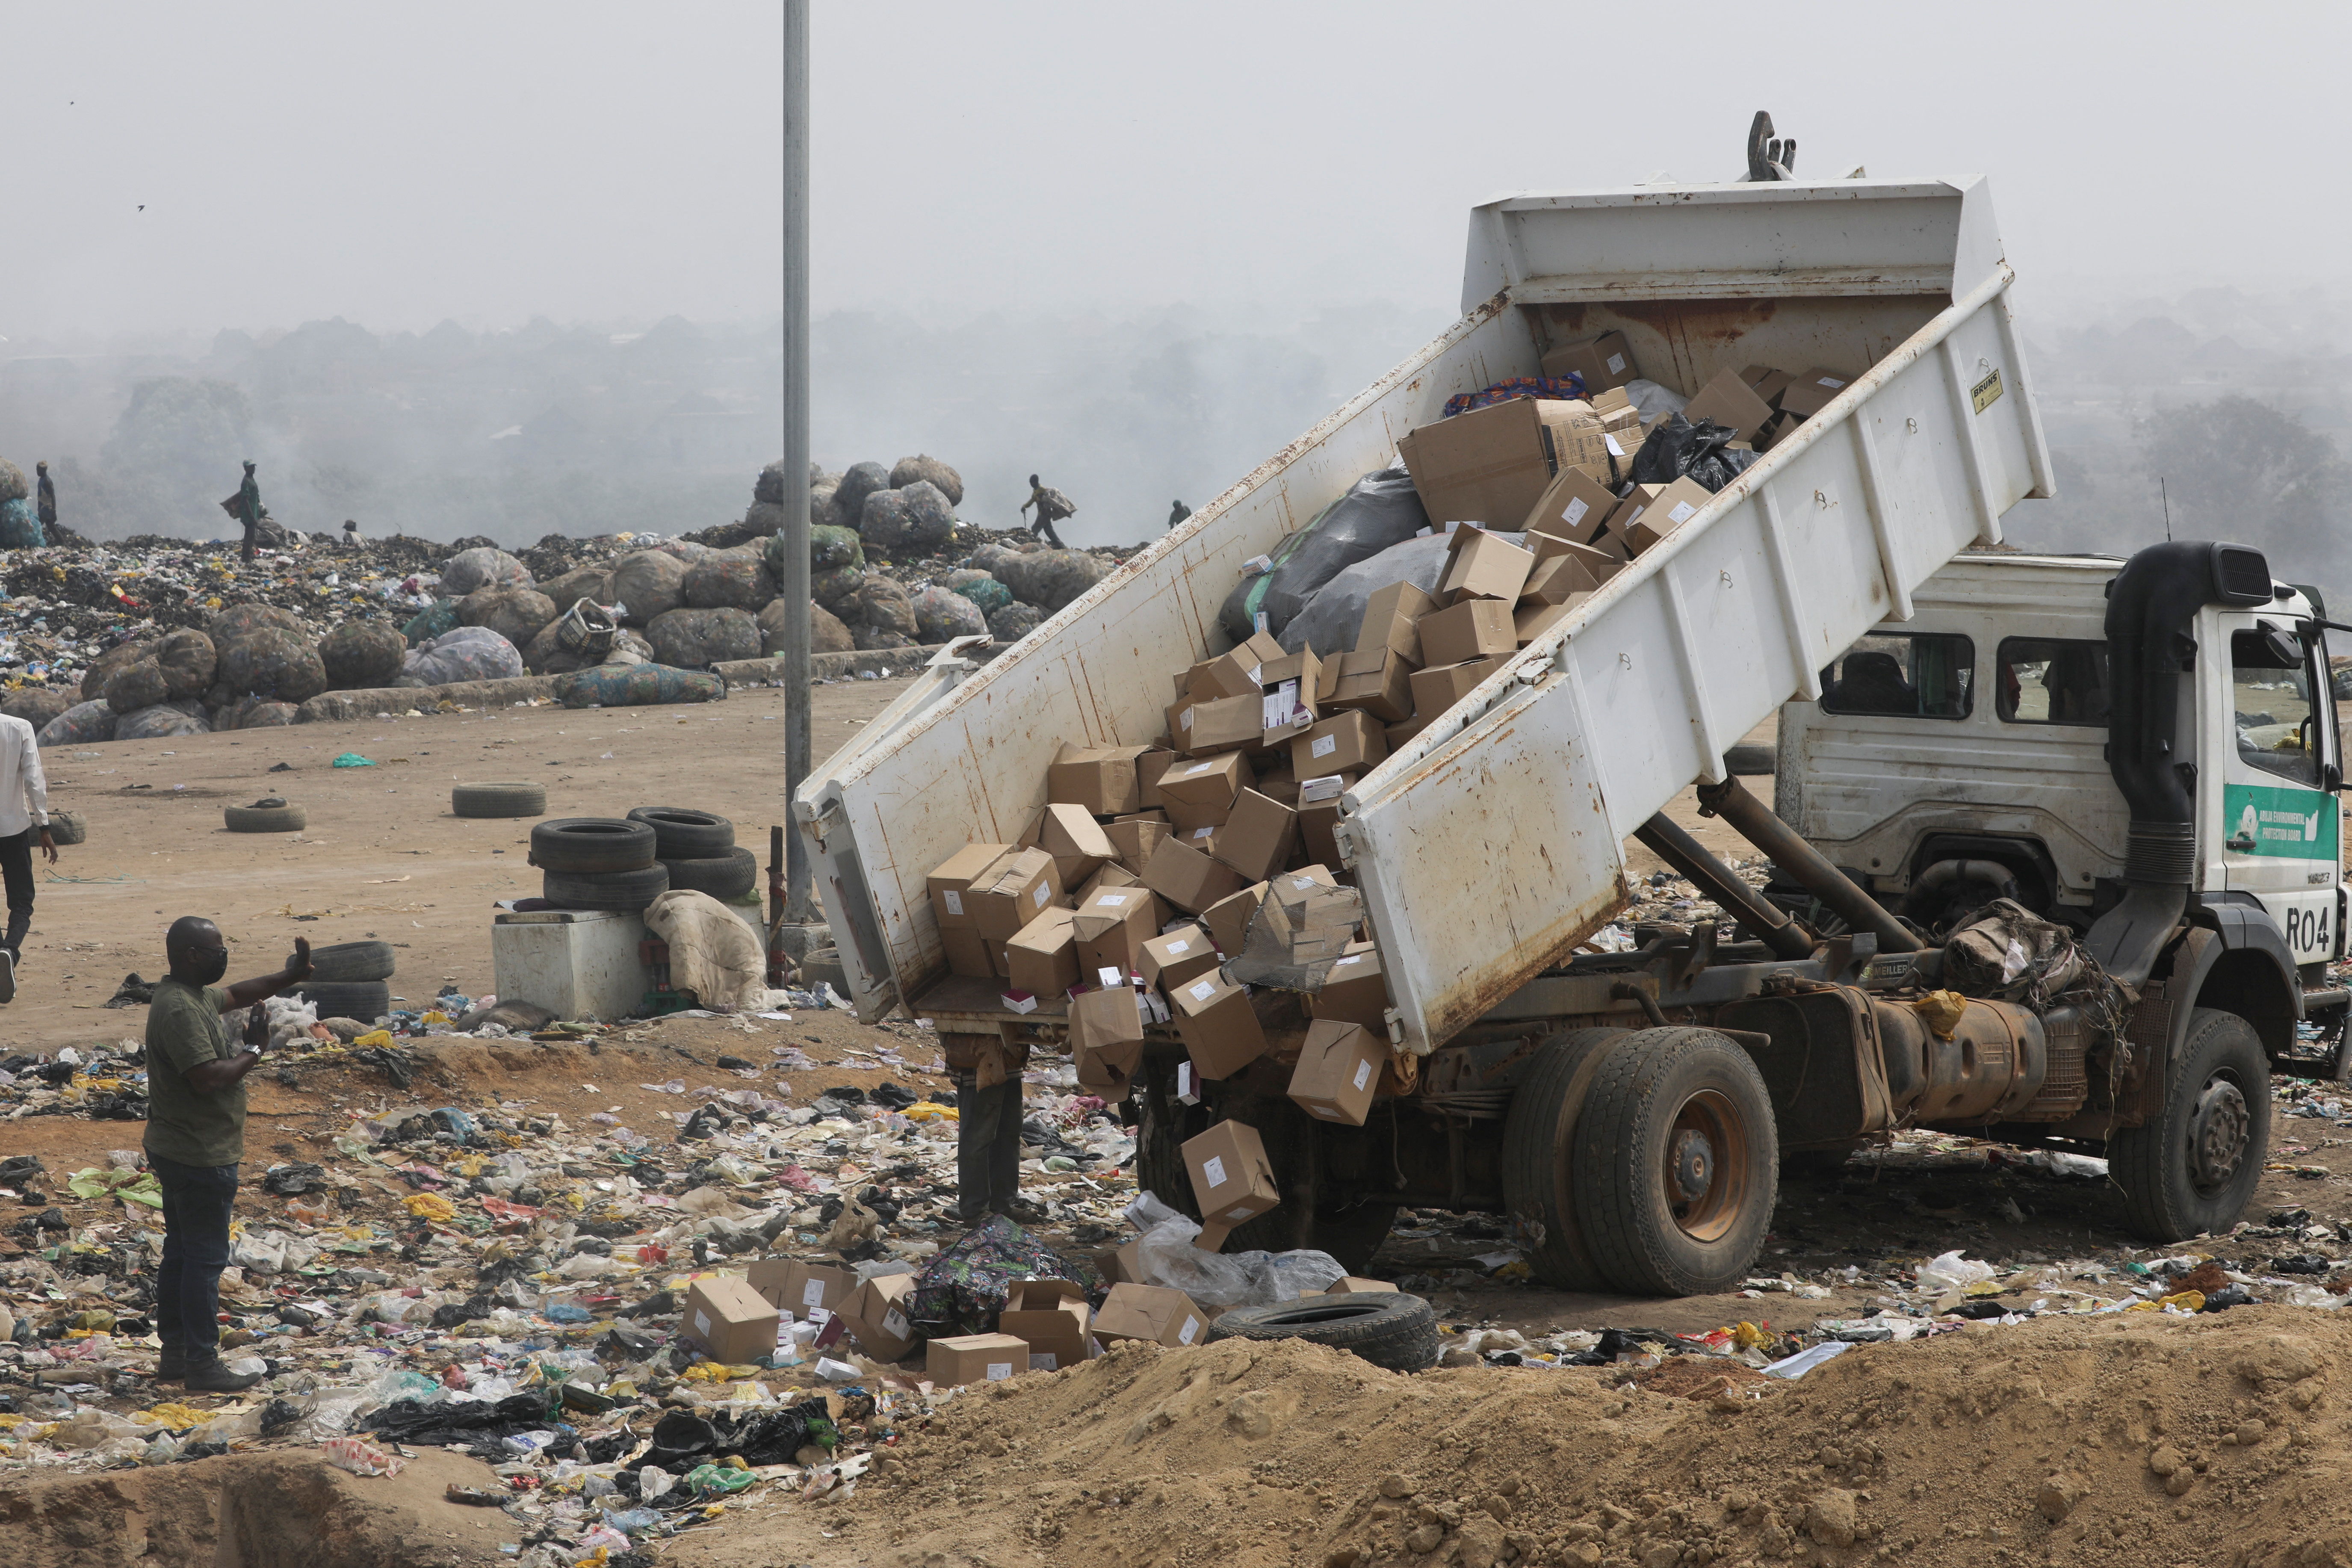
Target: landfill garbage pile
column 151, row 636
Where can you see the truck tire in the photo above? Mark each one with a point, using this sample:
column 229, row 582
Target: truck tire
column 499, row 800
column 365, row 1001
column 683, row 835
column 629, row 892
column 1676, row 1164
column 727, row 879
column 1539, row 1157
column 1387, row 1328
column 348, row 962
column 265, row 818
column 2192, row 1170
column 591, row 844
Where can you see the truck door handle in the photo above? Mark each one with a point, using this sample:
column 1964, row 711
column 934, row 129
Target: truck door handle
column 2243, row 843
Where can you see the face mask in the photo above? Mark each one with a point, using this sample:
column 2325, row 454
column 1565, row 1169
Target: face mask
column 211, row 966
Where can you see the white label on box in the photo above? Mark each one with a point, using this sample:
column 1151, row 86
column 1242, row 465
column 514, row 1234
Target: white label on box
column 895, row 1324
column 813, row 1293
column 1301, row 884
column 1323, row 745
column 1203, row 991
column 1186, row 721
column 1616, row 363
column 1351, row 958
column 1831, row 381
column 1108, row 974
column 1363, row 1074
column 1040, row 896
column 1575, row 511
column 1215, row 1169
column 1683, row 512
column 1614, row 449
column 955, row 902
column 1635, row 515
column 1203, row 833
column 1180, row 947
column 1191, row 1327
column 701, row 1322
column 1195, row 768
column 1043, row 1360
column 1242, row 1213
column 998, row 1371
column 1111, row 900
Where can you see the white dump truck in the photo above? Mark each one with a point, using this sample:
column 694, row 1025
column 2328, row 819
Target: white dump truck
column 1628, row 1110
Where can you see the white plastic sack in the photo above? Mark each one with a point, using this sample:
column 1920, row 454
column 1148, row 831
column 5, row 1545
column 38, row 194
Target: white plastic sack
column 1652, row 401
column 469, row 653
column 1953, row 1272
column 1225, row 1279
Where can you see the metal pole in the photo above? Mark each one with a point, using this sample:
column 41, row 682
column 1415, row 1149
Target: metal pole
column 799, row 907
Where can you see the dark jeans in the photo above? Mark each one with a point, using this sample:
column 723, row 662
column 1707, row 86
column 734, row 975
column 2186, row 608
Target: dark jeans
column 17, row 872
column 987, row 1147
column 196, row 1203
column 1044, row 525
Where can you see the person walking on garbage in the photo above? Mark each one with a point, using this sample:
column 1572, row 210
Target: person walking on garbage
column 45, row 500
column 245, row 507
column 1177, row 512
column 24, row 822
column 987, row 1074
column 196, row 1136
column 1051, row 507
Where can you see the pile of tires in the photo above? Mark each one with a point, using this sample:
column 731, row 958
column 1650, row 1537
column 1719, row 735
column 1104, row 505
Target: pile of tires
column 597, row 863
column 699, row 852
column 348, row 981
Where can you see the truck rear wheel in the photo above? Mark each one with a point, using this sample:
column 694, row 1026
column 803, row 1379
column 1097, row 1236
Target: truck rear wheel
column 1538, row 1148
column 2192, row 1170
column 1676, row 1164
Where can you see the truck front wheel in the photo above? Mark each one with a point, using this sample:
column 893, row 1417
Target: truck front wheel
column 2193, row 1168
column 1677, row 1163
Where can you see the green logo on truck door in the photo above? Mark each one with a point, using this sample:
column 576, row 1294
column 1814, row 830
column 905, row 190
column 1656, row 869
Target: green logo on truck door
column 2289, row 824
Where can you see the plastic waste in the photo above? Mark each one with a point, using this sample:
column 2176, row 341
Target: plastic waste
column 1804, row 1361
column 1225, row 1279
column 1953, row 1272
column 362, row 1457
column 1379, row 511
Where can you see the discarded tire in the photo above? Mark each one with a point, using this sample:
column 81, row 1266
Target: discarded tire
column 67, row 828
column 499, row 800
column 266, row 818
column 725, row 878
column 1388, row 1329
column 629, row 890
column 365, row 1001
column 591, row 844
column 348, row 962
column 683, row 835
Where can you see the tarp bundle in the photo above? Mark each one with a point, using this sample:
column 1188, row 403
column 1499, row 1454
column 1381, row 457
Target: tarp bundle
column 637, row 686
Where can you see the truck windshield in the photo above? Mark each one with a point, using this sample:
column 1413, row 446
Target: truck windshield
column 1918, row 675
column 2051, row 680
column 2270, row 692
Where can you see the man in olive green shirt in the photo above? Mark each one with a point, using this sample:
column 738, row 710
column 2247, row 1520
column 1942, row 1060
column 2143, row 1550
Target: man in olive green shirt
column 196, row 1136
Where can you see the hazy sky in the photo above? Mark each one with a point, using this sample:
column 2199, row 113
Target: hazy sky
column 395, row 165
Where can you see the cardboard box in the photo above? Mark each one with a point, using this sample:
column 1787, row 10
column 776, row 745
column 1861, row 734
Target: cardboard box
column 1555, row 578
column 1479, row 565
column 1149, row 768
column 730, row 1320
column 1345, row 742
column 1186, row 879
column 1174, row 957
column 1074, row 838
column 1225, row 724
column 1766, row 383
column 812, row 1290
column 1051, row 1317
column 1257, row 839
column 1102, row 780
column 1293, row 684
column 1110, row 878
column 1399, row 734
column 1389, row 621
column 1574, row 506
column 1476, row 628
column 1489, row 465
column 1534, row 620
column 1107, row 1039
column 1603, row 361
column 1151, row 1314
column 1203, row 781
column 1729, row 401
column 1318, row 824
column 876, row 1317
column 968, row 952
column 1628, row 512
column 1186, row 819
column 963, row 1359
column 1439, row 688
column 954, row 879
column 1339, row 1067
column 1042, row 957
column 1218, row 1026
column 1202, row 838
column 1228, row 920
column 1354, row 992
column 1676, row 504
column 1230, row 674
column 1022, row 885
column 1377, row 681
column 1133, row 839
column 1233, row 1179
column 1111, row 928
column 1356, row 1285
column 1810, row 392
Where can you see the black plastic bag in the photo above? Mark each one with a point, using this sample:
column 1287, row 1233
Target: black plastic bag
column 293, row 1181
column 1380, row 509
column 1676, row 447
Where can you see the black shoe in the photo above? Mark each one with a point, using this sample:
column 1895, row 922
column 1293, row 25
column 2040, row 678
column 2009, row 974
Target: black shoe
column 171, row 1366
column 214, row 1377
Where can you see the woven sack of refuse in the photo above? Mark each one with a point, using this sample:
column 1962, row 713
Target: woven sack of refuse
column 469, row 653
column 83, row 724
column 636, row 686
column 482, row 567
column 163, row 719
column 693, row 638
column 282, row 665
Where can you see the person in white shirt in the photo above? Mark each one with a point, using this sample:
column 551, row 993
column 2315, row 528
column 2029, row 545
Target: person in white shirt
column 24, row 821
